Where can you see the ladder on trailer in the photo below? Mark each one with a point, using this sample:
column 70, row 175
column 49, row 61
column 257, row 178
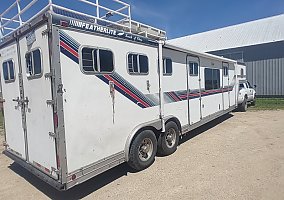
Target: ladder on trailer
column 114, row 14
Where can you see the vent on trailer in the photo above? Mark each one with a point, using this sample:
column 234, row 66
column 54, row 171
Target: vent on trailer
column 111, row 13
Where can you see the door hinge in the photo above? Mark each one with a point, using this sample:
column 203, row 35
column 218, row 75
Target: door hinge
column 5, row 144
column 49, row 75
column 54, row 135
column 55, row 170
column 46, row 31
column 50, row 102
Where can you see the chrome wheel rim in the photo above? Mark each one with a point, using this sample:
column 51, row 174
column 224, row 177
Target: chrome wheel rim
column 146, row 149
column 171, row 138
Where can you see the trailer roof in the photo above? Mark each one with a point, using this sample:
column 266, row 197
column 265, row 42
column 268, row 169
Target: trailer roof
column 206, row 55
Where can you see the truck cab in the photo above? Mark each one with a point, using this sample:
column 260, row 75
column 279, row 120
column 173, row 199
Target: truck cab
column 247, row 95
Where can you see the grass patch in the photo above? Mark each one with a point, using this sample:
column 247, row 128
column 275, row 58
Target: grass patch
column 268, row 104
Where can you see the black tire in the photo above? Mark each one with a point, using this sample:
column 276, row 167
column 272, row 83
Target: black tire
column 253, row 102
column 138, row 158
column 243, row 106
column 168, row 141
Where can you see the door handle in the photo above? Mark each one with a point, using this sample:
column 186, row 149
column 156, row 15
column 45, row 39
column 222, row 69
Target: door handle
column 16, row 100
column 148, row 85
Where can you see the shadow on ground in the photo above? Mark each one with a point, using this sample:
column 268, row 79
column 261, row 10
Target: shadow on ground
column 103, row 179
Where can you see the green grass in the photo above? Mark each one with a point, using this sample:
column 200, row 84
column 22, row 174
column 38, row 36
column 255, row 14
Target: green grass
column 268, row 104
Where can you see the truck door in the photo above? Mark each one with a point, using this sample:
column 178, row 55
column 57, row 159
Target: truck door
column 226, row 86
column 14, row 128
column 38, row 107
column 194, row 98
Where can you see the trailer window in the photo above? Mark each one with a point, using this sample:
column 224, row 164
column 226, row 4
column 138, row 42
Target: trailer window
column 212, row 79
column 193, row 69
column 167, row 67
column 91, row 63
column 33, row 62
column 8, row 71
column 138, row 64
column 225, row 71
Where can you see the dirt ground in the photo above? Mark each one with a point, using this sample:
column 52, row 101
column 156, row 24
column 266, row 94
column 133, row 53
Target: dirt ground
column 239, row 156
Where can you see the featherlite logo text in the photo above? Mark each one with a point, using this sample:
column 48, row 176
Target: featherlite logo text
column 92, row 27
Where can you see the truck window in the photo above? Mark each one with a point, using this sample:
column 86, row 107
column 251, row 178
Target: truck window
column 33, row 63
column 96, row 60
column 212, row 79
column 137, row 64
column 167, row 67
column 193, row 68
column 8, row 71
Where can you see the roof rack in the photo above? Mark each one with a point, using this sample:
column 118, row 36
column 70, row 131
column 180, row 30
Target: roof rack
column 114, row 14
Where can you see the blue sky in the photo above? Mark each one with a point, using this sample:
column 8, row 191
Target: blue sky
column 185, row 17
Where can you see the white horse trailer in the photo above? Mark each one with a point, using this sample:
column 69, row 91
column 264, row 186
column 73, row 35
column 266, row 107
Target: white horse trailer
column 83, row 94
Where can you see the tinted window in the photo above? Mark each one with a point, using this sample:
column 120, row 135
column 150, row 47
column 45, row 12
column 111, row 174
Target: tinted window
column 133, row 63
column 33, row 63
column 212, row 79
column 137, row 64
column 106, row 61
column 5, row 71
column 8, row 70
column 216, row 79
column 241, row 86
column 37, row 62
column 29, row 63
column 226, row 72
column 193, row 69
column 249, row 85
column 90, row 60
column 11, row 70
column 208, row 79
column 167, row 67
column 143, row 62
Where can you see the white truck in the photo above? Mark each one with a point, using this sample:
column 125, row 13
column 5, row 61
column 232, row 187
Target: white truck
column 247, row 94
column 84, row 93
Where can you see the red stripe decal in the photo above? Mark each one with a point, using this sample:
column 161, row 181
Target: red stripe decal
column 173, row 96
column 65, row 46
column 127, row 91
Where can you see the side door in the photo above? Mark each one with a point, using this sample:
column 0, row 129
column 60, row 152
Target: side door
column 10, row 81
column 34, row 48
column 193, row 90
column 250, row 91
column 225, row 85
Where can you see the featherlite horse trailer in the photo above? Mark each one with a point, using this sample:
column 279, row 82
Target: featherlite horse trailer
column 84, row 93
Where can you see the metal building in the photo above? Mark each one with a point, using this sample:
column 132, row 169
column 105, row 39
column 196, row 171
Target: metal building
column 259, row 44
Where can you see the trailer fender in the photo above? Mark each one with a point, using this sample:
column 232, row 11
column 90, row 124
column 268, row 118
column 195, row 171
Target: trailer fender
column 155, row 125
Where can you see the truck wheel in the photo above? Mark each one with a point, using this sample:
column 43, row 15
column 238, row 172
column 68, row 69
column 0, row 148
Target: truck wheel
column 168, row 141
column 244, row 106
column 253, row 102
column 143, row 150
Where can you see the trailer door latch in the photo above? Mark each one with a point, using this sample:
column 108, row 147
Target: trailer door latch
column 54, row 135
column 50, row 102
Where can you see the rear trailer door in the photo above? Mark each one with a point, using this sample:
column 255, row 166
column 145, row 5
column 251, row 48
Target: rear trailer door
column 14, row 128
column 38, row 100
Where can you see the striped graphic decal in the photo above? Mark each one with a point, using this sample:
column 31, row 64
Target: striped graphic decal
column 70, row 48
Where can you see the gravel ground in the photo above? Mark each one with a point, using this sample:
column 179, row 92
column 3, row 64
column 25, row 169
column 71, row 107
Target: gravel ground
column 240, row 156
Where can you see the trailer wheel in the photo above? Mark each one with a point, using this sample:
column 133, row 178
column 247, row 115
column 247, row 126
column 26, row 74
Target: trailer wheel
column 143, row 150
column 244, row 106
column 168, row 141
